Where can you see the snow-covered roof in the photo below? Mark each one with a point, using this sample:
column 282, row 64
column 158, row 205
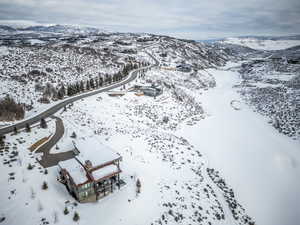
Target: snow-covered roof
column 93, row 150
column 75, row 169
column 104, row 171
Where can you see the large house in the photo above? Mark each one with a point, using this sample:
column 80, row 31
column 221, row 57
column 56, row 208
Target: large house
column 152, row 90
column 184, row 68
column 93, row 173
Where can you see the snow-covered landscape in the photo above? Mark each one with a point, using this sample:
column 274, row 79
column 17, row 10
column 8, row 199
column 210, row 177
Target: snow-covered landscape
column 211, row 131
column 265, row 43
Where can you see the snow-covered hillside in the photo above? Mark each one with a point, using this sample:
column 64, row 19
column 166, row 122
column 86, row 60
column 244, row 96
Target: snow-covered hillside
column 178, row 184
column 33, row 64
column 218, row 146
column 263, row 44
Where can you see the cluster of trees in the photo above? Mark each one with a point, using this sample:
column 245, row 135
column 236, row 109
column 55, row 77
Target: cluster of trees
column 49, row 91
column 92, row 83
column 10, row 109
column 43, row 124
column 95, row 82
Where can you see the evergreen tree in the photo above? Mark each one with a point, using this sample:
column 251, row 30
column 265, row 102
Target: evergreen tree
column 15, row 130
column 63, row 89
column 73, row 135
column 81, row 86
column 43, row 123
column 60, row 95
column 92, row 83
column 2, row 140
column 61, row 92
column 73, row 89
column 88, row 87
column 27, row 127
column 69, row 90
column 77, row 87
column 54, row 94
column 109, row 79
column 76, row 217
column 66, row 211
column 100, row 81
column 45, row 185
column 30, row 167
column 105, row 78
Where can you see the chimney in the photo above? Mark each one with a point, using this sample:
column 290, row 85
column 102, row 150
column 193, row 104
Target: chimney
column 88, row 164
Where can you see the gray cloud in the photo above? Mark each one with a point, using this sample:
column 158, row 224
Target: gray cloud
column 193, row 19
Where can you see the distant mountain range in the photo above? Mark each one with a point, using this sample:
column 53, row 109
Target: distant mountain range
column 68, row 29
column 273, row 38
column 252, row 41
column 260, row 42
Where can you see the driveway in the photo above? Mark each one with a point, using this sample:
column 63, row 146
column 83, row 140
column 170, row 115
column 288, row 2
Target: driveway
column 49, row 159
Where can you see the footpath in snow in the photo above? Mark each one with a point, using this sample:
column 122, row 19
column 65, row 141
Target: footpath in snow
column 259, row 163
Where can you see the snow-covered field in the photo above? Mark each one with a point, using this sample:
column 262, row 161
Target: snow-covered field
column 258, row 163
column 263, row 44
column 175, row 184
column 202, row 154
column 261, row 164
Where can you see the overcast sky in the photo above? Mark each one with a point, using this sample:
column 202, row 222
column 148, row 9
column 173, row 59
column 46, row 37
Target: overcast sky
column 192, row 19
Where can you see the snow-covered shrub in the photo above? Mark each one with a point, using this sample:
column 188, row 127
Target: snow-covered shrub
column 45, row 185
column 66, row 211
column 73, row 135
column 30, row 167
column 76, row 217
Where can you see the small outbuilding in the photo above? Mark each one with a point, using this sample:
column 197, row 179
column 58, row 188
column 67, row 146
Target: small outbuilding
column 116, row 93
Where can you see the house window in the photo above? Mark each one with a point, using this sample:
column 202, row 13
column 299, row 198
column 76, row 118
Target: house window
column 85, row 186
column 84, row 194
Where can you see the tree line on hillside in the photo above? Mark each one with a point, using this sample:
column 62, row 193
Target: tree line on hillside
column 80, row 86
column 11, row 110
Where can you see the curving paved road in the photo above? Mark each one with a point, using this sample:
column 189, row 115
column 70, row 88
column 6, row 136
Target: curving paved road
column 49, row 159
column 49, row 112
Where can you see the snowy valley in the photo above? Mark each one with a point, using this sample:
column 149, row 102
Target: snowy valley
column 217, row 144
